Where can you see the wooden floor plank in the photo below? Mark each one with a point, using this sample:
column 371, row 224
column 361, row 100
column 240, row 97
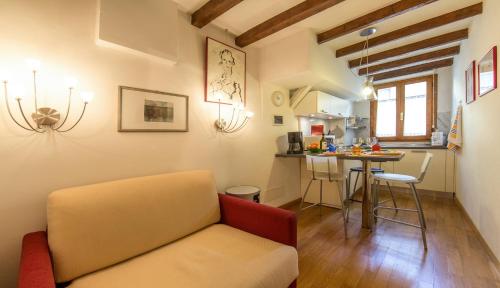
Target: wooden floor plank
column 393, row 255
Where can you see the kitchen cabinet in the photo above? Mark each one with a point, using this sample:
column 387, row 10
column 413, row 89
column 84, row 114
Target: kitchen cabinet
column 439, row 176
column 340, row 107
column 322, row 105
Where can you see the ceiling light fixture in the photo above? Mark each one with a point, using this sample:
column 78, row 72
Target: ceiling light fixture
column 368, row 90
column 44, row 118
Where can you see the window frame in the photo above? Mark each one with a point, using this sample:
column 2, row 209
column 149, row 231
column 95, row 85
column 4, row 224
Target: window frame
column 431, row 111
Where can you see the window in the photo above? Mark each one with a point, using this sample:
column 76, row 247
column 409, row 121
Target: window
column 404, row 110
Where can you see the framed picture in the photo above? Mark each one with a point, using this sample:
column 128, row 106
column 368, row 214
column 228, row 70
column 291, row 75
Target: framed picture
column 278, row 120
column 487, row 72
column 225, row 73
column 317, row 129
column 470, row 83
column 142, row 110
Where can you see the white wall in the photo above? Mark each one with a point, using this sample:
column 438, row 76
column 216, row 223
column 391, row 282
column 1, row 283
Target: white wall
column 61, row 33
column 478, row 162
column 298, row 60
column 445, row 89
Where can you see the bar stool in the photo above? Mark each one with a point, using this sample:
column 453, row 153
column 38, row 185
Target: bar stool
column 324, row 169
column 411, row 181
column 359, row 170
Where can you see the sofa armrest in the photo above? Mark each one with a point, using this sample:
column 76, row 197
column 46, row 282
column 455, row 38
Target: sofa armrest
column 35, row 269
column 272, row 223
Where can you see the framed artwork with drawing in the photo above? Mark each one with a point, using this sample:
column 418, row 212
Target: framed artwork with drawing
column 225, row 73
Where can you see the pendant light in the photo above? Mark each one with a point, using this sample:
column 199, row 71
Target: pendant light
column 368, row 90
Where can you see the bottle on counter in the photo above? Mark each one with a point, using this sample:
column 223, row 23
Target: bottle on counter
column 322, row 143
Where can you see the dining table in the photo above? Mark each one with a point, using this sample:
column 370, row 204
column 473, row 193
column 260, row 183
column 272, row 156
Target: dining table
column 366, row 159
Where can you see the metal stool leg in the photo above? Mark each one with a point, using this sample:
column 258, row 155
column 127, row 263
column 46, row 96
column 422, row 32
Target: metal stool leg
column 392, row 196
column 420, row 214
column 340, row 184
column 320, row 196
column 420, row 204
column 346, row 199
column 348, row 190
column 375, row 200
column 374, row 204
column 305, row 194
column 355, row 183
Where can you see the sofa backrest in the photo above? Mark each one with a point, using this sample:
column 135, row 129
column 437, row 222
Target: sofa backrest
column 95, row 226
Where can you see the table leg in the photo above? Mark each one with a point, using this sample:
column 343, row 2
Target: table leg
column 366, row 213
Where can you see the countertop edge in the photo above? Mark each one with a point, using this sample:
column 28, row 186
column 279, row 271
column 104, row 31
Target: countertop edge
column 303, row 155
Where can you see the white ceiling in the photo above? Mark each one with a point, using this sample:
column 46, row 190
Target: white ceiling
column 249, row 13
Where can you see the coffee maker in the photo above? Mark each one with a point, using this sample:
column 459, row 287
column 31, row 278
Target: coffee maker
column 295, row 143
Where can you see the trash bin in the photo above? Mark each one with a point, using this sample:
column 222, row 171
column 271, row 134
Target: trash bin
column 246, row 192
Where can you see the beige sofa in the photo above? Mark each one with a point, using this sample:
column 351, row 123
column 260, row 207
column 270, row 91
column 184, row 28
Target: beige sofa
column 170, row 230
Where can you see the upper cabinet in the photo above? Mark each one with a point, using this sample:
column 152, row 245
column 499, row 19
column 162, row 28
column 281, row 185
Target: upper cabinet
column 322, row 105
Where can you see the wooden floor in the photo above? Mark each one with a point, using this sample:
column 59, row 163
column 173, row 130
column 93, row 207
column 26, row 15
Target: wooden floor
column 393, row 255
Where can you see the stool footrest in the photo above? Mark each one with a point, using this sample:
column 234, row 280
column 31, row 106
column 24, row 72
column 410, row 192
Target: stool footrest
column 322, row 204
column 392, row 208
column 309, row 206
column 400, row 222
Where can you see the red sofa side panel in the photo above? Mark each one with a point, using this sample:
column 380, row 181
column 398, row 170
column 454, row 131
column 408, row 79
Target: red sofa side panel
column 35, row 269
column 269, row 222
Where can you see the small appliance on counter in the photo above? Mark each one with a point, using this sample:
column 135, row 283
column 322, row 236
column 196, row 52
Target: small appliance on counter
column 295, row 143
column 437, row 138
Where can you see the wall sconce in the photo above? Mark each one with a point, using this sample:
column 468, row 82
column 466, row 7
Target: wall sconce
column 239, row 118
column 44, row 117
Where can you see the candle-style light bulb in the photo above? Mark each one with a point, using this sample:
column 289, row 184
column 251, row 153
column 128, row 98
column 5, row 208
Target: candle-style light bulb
column 18, row 92
column 33, row 64
column 87, row 96
column 70, row 82
column 218, row 95
column 4, row 76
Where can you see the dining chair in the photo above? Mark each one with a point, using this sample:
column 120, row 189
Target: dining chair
column 325, row 169
column 410, row 181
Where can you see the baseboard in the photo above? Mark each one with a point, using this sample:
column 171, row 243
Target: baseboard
column 290, row 204
column 480, row 236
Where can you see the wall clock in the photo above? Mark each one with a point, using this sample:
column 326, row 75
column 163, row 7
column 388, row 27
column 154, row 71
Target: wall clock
column 278, row 98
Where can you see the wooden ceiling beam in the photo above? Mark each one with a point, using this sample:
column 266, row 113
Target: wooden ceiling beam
column 286, row 18
column 446, row 52
column 374, row 17
column 413, row 69
column 419, row 45
column 211, row 10
column 432, row 23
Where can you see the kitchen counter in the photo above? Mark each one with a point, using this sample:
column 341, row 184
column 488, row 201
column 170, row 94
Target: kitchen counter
column 410, row 146
column 285, row 155
column 384, row 146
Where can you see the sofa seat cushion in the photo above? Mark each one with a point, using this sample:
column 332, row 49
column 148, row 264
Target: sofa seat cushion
column 217, row 256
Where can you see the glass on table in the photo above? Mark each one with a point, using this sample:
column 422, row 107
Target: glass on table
column 356, row 145
column 375, row 145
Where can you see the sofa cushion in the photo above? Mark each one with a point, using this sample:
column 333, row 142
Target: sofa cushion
column 95, row 226
column 218, row 256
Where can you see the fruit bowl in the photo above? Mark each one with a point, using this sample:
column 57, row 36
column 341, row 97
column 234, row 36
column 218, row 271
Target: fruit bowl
column 314, row 148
